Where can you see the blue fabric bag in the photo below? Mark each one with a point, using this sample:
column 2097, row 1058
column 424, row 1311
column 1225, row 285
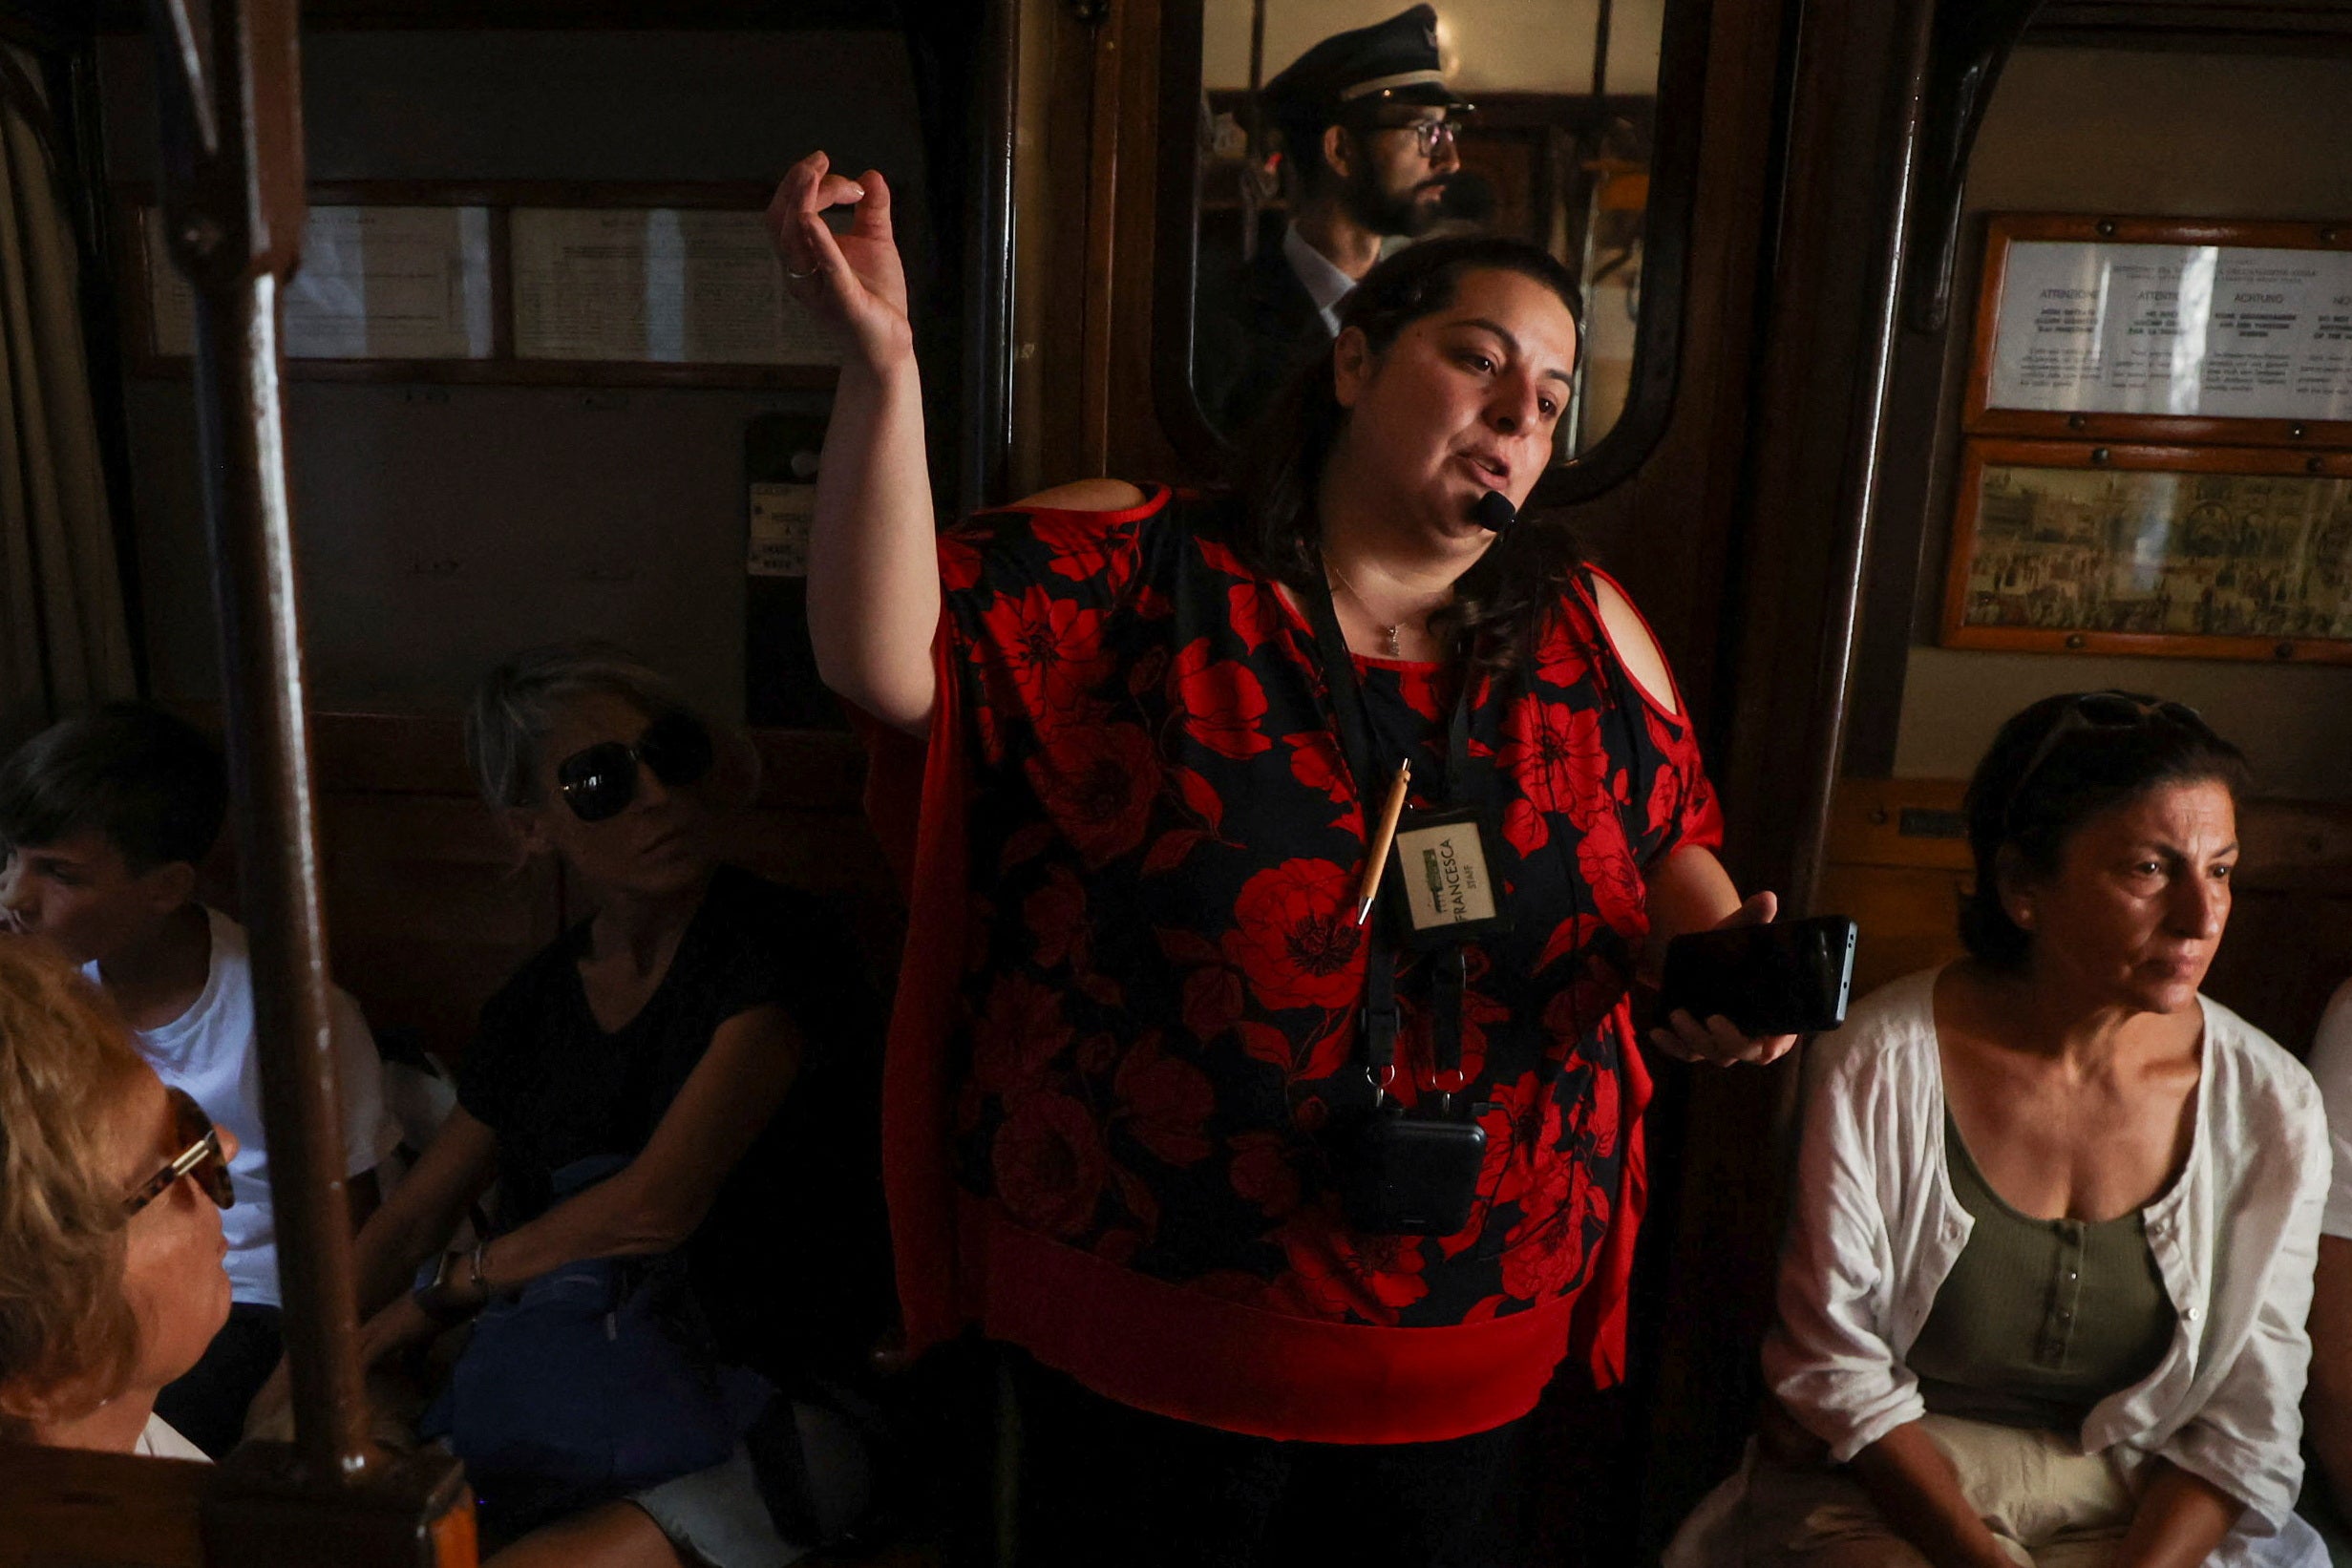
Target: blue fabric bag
column 597, row 1379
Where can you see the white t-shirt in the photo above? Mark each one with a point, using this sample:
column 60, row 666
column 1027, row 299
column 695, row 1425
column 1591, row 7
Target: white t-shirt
column 209, row 1051
column 2331, row 1063
column 159, row 1441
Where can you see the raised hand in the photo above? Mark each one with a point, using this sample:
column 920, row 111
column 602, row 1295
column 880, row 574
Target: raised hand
column 853, row 278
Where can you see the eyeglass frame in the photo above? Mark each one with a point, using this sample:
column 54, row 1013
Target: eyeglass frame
column 217, row 1184
column 2077, row 718
column 1426, row 133
column 572, row 790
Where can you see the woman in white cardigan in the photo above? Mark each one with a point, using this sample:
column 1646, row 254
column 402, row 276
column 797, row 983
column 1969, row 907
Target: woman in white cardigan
column 2051, row 1243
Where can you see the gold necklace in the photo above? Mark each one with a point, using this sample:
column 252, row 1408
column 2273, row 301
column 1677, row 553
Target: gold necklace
column 1396, row 650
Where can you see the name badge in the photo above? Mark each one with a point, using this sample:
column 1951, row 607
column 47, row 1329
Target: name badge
column 1444, row 879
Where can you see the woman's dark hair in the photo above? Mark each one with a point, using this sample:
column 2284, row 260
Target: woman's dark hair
column 2057, row 765
column 1500, row 604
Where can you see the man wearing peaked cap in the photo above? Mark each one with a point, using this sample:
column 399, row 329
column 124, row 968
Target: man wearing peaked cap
column 1367, row 138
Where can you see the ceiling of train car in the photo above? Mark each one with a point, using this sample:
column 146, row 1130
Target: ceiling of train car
column 131, row 15
column 2198, row 23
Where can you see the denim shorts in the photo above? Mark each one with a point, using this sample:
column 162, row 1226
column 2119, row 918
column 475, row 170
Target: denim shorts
column 718, row 1516
column 721, row 1517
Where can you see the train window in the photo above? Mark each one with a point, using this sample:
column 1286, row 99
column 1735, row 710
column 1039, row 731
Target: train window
column 1330, row 132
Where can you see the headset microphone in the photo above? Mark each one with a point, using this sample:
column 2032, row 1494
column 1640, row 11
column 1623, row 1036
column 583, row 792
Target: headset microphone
column 1495, row 512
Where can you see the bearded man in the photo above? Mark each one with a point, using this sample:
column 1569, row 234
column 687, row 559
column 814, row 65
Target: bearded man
column 1366, row 126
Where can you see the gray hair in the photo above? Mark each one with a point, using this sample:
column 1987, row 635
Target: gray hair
column 517, row 704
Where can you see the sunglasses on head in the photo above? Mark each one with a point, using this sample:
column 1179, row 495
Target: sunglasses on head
column 201, row 1157
column 2099, row 710
column 600, row 781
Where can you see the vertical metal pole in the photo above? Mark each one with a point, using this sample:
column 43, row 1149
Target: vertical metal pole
column 1833, row 679
column 234, row 205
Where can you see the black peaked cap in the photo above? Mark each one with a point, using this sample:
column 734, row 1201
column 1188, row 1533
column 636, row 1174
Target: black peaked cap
column 1394, row 61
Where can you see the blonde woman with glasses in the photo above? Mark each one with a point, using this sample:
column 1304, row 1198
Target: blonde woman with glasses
column 111, row 1193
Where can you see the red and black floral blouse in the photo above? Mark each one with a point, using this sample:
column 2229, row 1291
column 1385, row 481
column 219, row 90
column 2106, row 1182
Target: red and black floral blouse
column 1132, row 979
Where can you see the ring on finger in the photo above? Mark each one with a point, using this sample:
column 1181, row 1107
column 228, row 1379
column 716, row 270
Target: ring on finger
column 800, row 277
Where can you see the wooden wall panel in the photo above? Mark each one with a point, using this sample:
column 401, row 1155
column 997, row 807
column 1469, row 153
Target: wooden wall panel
column 430, row 909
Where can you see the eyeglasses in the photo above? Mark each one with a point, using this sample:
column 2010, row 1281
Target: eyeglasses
column 2097, row 711
column 203, row 1158
column 1428, row 134
column 599, row 782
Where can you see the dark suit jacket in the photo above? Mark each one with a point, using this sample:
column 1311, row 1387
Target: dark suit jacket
column 1254, row 324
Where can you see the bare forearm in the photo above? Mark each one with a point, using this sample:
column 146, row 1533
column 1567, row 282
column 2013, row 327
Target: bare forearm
column 614, row 1218
column 2180, row 1521
column 421, row 1213
column 1915, row 1486
column 874, row 592
column 390, row 1248
column 1688, row 891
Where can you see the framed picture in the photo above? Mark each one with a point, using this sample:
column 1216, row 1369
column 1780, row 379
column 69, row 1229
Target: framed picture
column 514, row 282
column 2208, row 552
column 2158, row 330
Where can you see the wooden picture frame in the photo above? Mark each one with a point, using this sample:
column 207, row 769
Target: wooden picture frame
column 2303, row 334
column 2201, row 553
column 500, row 363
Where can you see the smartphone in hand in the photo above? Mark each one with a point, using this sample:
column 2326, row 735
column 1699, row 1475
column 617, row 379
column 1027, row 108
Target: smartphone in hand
column 1790, row 977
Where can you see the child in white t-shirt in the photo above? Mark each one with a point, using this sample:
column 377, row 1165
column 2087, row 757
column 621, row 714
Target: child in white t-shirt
column 104, row 819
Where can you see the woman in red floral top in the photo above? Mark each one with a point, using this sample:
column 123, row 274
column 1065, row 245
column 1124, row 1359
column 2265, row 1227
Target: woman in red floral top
column 1133, row 746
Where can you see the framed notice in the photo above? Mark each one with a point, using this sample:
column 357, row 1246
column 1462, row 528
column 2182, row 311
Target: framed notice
column 667, row 285
column 2144, row 329
column 2210, row 553
column 376, row 282
column 517, row 282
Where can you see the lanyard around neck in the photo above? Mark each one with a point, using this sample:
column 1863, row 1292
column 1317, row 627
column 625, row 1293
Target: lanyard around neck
column 1355, row 723
column 1354, row 718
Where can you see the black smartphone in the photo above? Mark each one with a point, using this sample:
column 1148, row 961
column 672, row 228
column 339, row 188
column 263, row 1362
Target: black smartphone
column 1790, row 977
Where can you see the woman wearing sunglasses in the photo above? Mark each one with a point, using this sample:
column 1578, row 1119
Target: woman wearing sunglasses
column 624, row 1091
column 2044, row 1294
column 111, row 1193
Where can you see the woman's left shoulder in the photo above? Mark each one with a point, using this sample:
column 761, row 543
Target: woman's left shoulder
column 1630, row 637
column 2263, row 1077
column 1095, row 495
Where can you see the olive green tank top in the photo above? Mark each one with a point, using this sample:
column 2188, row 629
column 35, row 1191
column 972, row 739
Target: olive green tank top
column 2039, row 1319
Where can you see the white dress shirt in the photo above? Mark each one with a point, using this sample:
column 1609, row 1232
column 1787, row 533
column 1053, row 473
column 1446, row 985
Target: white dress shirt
column 158, row 1440
column 1876, row 1229
column 1318, row 274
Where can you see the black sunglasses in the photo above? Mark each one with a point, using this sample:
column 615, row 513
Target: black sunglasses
column 599, row 783
column 203, row 1157
column 2098, row 710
